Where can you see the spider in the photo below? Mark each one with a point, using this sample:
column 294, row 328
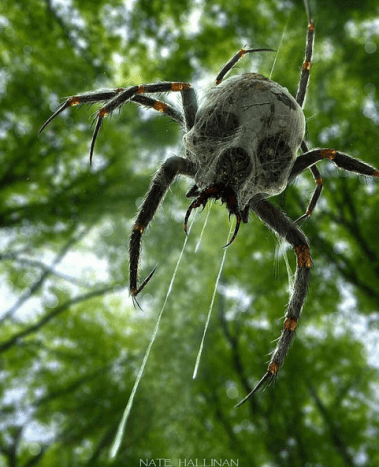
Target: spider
column 241, row 147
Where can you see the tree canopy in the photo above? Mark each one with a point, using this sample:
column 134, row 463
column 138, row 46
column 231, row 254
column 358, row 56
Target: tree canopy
column 71, row 343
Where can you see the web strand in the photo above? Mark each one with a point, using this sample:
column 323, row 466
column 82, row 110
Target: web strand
column 122, row 425
column 210, row 309
column 277, row 52
column 203, row 229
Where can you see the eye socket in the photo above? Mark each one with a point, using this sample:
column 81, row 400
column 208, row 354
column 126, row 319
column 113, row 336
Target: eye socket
column 241, row 158
column 216, row 124
column 234, row 165
column 274, row 155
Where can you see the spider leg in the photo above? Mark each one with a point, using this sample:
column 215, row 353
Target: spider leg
column 234, row 60
column 279, row 222
column 266, row 377
column 342, row 160
column 106, row 95
column 317, row 192
column 189, row 102
column 141, row 100
column 127, row 95
column 306, row 68
column 80, row 99
column 300, row 99
column 160, row 106
column 315, row 197
column 114, row 99
column 162, row 181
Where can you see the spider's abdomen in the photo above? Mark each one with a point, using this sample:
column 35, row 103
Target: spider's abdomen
column 246, row 135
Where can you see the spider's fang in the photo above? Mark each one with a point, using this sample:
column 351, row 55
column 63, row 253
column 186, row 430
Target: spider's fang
column 95, row 133
column 238, row 215
column 186, row 228
column 227, row 196
column 201, row 200
column 188, row 213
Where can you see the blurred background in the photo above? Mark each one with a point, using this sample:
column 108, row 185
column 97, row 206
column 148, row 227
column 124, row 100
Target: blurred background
column 71, row 342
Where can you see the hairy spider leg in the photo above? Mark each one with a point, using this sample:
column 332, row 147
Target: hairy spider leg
column 114, row 99
column 162, row 181
column 234, row 60
column 190, row 106
column 160, row 106
column 80, row 99
column 126, row 95
column 103, row 96
column 276, row 220
column 300, row 98
column 342, row 160
column 306, row 68
column 317, row 192
column 169, row 169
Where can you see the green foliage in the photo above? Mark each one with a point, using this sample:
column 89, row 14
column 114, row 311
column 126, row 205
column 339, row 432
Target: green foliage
column 71, row 343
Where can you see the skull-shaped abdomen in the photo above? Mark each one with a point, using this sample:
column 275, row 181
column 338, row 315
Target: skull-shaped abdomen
column 246, row 135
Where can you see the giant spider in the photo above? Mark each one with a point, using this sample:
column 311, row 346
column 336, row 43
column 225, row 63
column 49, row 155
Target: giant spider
column 240, row 147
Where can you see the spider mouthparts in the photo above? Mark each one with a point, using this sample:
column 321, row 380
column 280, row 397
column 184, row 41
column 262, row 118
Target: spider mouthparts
column 227, row 195
column 188, row 213
column 201, row 200
column 238, row 215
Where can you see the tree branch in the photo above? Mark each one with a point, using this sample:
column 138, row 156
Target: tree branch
column 38, row 284
column 335, row 432
column 53, row 314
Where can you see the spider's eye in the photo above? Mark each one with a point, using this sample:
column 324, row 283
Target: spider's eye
column 217, row 124
column 274, row 155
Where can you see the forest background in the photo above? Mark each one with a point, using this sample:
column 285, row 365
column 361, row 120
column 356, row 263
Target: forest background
column 71, row 342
